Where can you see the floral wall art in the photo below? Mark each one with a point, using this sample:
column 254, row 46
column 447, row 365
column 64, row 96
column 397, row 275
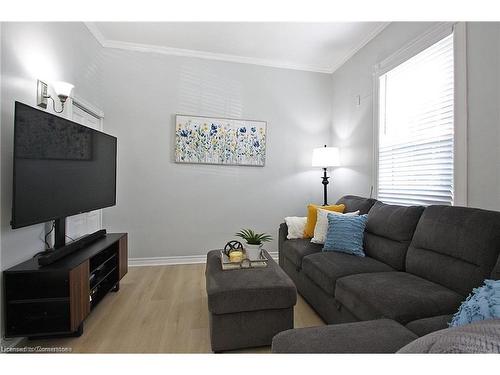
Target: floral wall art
column 213, row 140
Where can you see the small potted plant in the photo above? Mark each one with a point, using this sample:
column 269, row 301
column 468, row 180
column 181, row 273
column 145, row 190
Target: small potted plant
column 254, row 242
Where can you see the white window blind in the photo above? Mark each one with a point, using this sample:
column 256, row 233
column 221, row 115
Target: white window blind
column 416, row 129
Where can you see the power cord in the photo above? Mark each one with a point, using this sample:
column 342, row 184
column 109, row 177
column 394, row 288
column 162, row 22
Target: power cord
column 48, row 233
column 47, row 245
column 54, row 105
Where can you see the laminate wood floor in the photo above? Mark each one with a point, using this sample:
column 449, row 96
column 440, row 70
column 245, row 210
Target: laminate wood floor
column 161, row 309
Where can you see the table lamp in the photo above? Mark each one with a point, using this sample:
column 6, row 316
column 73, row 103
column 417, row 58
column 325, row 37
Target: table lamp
column 325, row 157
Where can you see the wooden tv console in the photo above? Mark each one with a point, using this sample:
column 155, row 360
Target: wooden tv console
column 54, row 300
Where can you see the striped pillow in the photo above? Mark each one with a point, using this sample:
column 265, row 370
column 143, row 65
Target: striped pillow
column 345, row 234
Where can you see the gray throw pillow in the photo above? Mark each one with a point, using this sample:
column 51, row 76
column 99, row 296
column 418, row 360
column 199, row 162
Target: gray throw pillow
column 479, row 337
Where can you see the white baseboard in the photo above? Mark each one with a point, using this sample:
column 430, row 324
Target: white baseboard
column 166, row 261
column 169, row 261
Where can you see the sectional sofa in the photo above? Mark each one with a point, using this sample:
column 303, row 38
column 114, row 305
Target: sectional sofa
column 420, row 264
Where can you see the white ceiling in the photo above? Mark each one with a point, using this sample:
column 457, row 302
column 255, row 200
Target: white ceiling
column 319, row 47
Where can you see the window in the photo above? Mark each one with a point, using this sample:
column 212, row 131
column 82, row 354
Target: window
column 416, row 128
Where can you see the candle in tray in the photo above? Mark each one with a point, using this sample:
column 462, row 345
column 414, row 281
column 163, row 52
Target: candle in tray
column 235, row 256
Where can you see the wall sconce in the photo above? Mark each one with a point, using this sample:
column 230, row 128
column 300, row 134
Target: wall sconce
column 62, row 90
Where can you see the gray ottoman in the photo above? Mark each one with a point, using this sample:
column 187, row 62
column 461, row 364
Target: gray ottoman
column 247, row 307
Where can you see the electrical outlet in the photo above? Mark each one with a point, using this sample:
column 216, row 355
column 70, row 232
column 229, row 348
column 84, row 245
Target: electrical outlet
column 41, row 94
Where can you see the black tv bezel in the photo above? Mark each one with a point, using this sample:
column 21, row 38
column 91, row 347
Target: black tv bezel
column 15, row 225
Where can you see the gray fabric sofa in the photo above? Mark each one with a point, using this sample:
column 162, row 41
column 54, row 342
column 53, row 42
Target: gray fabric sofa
column 388, row 336
column 421, row 263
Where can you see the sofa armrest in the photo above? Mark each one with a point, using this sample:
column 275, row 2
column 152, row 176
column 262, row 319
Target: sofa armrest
column 282, row 234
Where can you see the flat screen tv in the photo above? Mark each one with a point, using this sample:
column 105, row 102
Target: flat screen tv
column 61, row 168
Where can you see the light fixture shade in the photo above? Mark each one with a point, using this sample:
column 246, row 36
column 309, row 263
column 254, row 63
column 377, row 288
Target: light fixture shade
column 326, row 157
column 62, row 88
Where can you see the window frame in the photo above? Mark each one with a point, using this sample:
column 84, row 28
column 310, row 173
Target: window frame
column 413, row 48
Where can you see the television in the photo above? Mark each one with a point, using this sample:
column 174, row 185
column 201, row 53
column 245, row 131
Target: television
column 61, row 168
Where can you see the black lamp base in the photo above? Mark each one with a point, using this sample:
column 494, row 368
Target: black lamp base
column 325, row 187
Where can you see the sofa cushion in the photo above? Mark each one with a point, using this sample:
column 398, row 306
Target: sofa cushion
column 376, row 336
column 422, row 327
column 354, row 203
column 456, row 247
column 495, row 274
column 325, row 268
column 395, row 295
column 389, row 232
column 295, row 250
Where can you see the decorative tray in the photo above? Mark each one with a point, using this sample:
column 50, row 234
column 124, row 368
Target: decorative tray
column 245, row 263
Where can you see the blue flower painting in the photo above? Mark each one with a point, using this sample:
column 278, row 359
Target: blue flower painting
column 207, row 140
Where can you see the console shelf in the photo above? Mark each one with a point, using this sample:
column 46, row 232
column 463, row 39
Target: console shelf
column 54, row 300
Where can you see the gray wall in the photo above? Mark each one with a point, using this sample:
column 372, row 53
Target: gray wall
column 180, row 210
column 353, row 125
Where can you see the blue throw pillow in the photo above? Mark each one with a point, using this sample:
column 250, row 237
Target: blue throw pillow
column 345, row 234
column 483, row 303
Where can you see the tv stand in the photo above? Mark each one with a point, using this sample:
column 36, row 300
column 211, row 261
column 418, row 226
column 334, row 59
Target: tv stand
column 54, row 300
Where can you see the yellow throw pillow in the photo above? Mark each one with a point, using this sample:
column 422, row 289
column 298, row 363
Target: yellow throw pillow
column 312, row 214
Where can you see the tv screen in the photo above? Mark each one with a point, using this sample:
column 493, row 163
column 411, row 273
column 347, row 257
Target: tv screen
column 61, row 168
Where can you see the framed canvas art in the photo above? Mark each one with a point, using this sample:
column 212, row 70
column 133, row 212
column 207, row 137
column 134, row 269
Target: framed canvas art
column 218, row 140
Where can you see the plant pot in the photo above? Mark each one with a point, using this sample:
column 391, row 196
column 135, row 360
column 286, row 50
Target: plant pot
column 253, row 251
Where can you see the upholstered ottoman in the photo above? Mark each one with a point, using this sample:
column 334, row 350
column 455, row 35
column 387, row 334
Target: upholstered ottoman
column 247, row 307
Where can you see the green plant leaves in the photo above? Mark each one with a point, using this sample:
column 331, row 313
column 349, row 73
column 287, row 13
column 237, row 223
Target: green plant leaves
column 253, row 238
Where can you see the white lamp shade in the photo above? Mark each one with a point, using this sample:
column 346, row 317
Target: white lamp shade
column 62, row 88
column 326, row 157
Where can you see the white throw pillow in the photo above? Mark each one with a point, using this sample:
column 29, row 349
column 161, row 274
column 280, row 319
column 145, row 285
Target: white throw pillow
column 296, row 226
column 322, row 224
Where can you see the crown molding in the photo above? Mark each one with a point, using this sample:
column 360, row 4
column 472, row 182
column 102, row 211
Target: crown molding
column 139, row 47
column 363, row 43
column 94, row 30
column 147, row 48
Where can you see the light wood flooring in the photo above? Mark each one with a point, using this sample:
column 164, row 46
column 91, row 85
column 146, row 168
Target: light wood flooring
column 160, row 309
